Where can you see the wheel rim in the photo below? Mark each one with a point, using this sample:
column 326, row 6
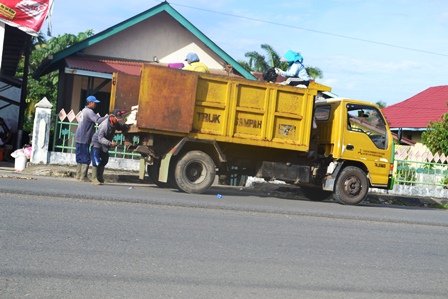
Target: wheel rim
column 352, row 186
column 195, row 172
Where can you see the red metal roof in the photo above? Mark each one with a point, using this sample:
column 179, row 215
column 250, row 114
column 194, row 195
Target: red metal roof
column 102, row 65
column 109, row 66
column 419, row 110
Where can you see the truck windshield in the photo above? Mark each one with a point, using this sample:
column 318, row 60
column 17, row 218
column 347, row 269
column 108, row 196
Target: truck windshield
column 367, row 120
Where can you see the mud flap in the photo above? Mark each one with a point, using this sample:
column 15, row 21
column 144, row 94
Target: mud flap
column 165, row 168
column 329, row 180
column 144, row 152
column 142, row 168
column 328, row 183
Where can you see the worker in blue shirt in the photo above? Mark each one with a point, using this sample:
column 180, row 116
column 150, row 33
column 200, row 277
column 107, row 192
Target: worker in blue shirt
column 83, row 137
column 295, row 69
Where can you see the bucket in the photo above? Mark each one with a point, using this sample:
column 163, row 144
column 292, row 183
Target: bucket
column 20, row 162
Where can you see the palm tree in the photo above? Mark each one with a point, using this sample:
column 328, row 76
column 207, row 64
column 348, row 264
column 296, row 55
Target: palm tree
column 381, row 104
column 256, row 62
column 314, row 72
column 274, row 58
column 38, row 41
column 259, row 63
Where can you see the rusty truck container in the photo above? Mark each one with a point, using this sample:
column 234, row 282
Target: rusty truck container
column 225, row 109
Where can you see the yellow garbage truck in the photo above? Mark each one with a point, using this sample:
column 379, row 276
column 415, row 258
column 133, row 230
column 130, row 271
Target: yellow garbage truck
column 194, row 126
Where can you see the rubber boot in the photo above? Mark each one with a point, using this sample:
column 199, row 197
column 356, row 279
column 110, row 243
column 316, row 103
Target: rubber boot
column 95, row 180
column 84, row 172
column 78, row 172
column 100, row 174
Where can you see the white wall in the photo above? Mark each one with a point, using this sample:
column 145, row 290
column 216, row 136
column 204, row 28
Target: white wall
column 160, row 36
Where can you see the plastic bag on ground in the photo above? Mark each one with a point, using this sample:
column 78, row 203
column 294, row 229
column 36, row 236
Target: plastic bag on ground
column 17, row 153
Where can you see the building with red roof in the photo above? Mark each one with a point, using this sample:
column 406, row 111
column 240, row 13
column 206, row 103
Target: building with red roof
column 415, row 113
column 159, row 35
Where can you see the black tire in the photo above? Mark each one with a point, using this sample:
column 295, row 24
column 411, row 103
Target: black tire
column 351, row 186
column 153, row 173
column 194, row 172
column 315, row 194
column 172, row 174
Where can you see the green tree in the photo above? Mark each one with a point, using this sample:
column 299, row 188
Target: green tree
column 436, row 135
column 273, row 57
column 47, row 84
column 257, row 62
column 245, row 65
column 381, row 104
column 314, row 72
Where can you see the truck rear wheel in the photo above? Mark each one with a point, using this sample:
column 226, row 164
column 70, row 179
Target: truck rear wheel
column 315, row 194
column 351, row 186
column 194, row 172
column 153, row 173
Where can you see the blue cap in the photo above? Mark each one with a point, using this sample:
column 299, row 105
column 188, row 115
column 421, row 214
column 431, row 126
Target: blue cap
column 192, row 57
column 92, row 99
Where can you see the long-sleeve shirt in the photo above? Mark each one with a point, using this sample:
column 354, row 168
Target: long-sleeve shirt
column 296, row 70
column 197, row 67
column 86, row 127
column 106, row 131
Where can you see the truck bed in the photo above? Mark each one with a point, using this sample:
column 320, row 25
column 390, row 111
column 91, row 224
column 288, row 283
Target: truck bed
column 225, row 109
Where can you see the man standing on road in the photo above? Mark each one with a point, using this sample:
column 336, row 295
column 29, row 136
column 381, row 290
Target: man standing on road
column 102, row 142
column 83, row 137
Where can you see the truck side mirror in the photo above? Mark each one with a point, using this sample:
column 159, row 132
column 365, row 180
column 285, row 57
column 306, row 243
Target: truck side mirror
column 400, row 134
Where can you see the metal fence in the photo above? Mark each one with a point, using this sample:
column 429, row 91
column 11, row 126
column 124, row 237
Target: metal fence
column 417, row 166
column 414, row 165
column 64, row 139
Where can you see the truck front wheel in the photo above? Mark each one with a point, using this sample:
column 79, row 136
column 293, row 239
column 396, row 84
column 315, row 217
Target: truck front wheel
column 194, row 172
column 351, row 186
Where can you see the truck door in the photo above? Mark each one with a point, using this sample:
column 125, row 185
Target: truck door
column 124, row 91
column 366, row 139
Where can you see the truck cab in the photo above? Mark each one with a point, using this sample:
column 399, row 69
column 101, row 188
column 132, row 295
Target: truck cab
column 354, row 135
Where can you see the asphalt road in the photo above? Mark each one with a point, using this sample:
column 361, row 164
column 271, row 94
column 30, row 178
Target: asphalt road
column 64, row 239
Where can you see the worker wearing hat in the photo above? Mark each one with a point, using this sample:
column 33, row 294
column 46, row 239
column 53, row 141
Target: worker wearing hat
column 194, row 64
column 102, row 141
column 296, row 69
column 83, row 137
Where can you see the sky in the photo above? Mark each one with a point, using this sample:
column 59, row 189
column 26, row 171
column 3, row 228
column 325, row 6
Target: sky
column 372, row 50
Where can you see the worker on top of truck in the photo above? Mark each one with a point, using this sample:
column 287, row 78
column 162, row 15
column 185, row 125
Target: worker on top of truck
column 296, row 71
column 194, row 64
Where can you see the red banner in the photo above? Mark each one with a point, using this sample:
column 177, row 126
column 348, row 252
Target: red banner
column 27, row 15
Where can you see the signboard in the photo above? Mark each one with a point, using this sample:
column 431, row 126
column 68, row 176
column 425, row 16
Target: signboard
column 27, row 15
